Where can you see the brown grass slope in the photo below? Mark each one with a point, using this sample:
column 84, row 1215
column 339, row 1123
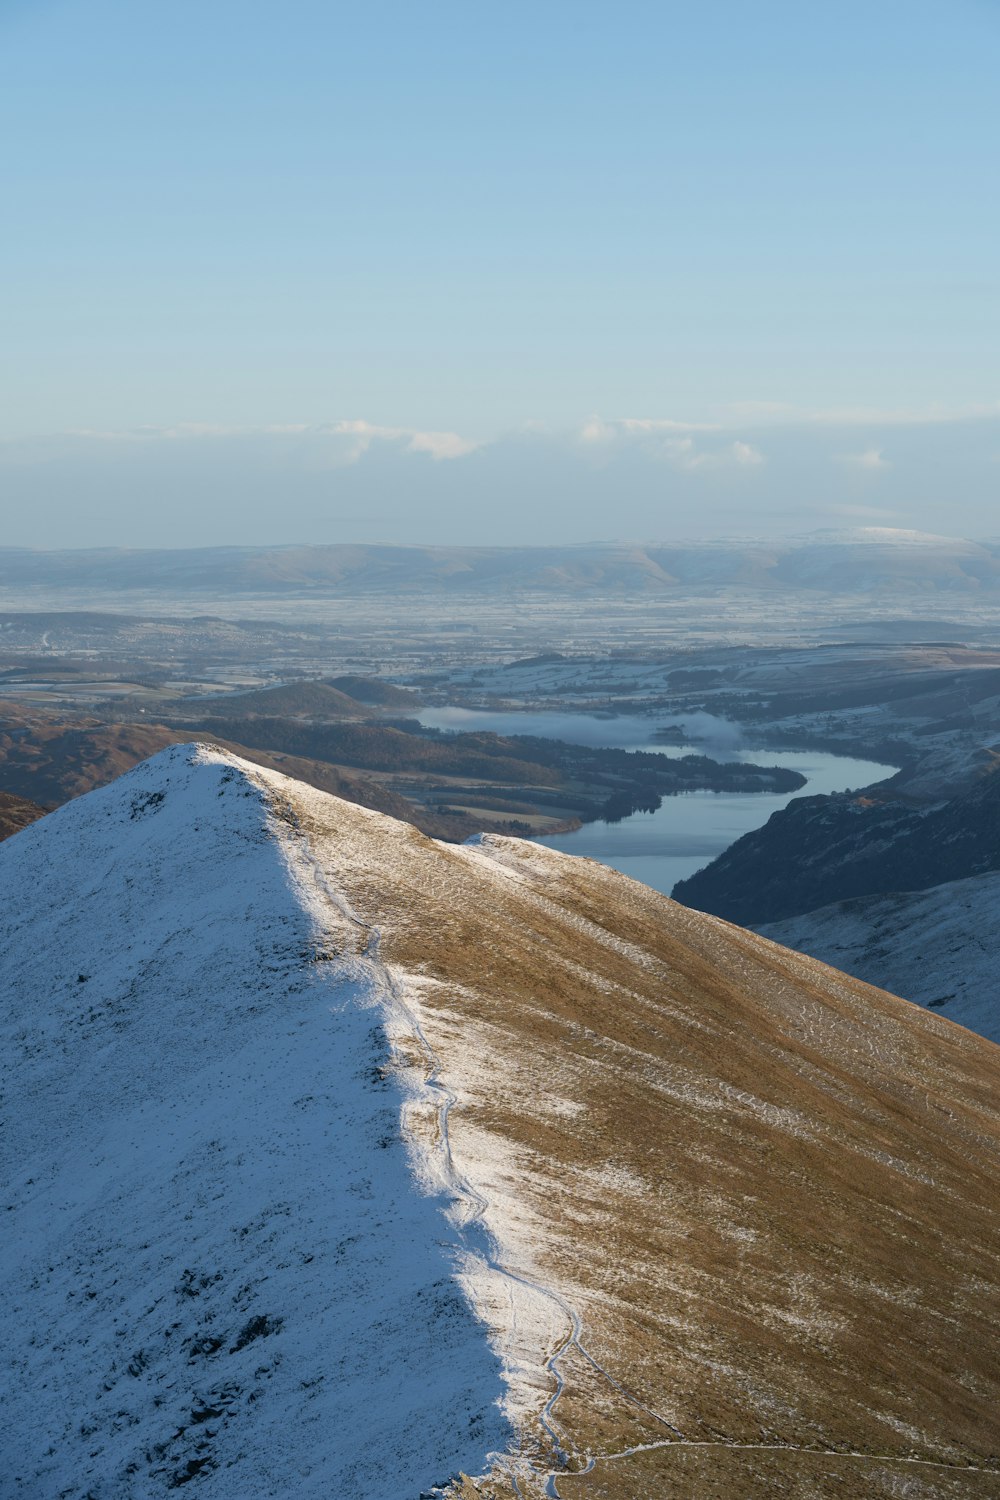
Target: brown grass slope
column 768, row 1190
column 307, row 699
column 375, row 691
column 16, row 813
column 51, row 762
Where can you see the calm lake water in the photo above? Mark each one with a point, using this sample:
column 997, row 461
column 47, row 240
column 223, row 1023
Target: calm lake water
column 689, row 830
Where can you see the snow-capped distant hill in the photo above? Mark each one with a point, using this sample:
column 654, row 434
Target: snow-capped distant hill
column 939, row 947
column 338, row 1161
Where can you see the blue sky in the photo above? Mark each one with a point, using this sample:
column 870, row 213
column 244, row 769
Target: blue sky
column 483, row 234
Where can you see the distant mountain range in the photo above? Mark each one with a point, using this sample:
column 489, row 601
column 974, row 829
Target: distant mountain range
column 855, row 561
column 341, row 1162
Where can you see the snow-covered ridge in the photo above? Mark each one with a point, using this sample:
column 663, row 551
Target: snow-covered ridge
column 217, row 1259
column 338, row 1160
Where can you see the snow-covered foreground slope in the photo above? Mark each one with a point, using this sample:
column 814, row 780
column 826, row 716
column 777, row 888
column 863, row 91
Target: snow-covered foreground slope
column 215, row 1261
column 939, row 948
column 339, row 1161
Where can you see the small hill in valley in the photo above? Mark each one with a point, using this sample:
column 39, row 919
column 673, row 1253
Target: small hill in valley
column 376, row 692
column 308, row 699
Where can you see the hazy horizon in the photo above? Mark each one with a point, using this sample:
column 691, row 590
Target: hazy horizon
column 820, row 535
column 625, row 480
column 459, row 275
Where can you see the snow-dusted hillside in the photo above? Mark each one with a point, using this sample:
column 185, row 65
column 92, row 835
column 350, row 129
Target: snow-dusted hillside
column 215, row 1261
column 338, row 1161
column 940, row 947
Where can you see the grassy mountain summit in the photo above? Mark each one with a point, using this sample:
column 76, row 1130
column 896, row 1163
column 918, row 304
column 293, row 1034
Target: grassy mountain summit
column 346, row 1161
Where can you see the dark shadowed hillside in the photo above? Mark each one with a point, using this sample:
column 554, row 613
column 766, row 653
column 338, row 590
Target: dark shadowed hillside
column 820, row 850
column 374, row 691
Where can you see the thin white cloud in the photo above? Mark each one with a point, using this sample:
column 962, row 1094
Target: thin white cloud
column 440, row 445
column 640, row 471
column 176, row 432
column 742, row 455
column 928, row 416
column 663, row 424
column 682, row 445
column 345, row 441
column 685, row 446
column 756, row 413
column 598, row 430
column 360, row 436
column 871, row 459
column 783, row 414
column 595, row 430
column 662, row 437
column 866, row 512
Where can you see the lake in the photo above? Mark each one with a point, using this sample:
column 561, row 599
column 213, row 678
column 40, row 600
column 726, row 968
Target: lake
column 689, row 830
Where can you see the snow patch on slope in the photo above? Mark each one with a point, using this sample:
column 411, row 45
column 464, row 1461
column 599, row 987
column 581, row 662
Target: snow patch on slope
column 216, row 1265
column 938, row 947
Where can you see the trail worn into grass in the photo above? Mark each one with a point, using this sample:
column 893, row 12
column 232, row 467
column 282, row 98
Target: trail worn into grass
column 762, row 1194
